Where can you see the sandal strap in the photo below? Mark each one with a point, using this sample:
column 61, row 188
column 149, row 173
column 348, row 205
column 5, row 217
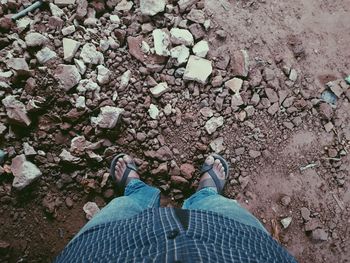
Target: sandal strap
column 129, row 167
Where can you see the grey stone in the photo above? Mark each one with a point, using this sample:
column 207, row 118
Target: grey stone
column 44, row 55
column 152, row 7
column 161, row 42
column 159, row 89
column 68, row 76
column 319, row 234
column 28, row 149
column 217, row 145
column 90, row 55
column 181, row 37
column 180, row 54
column 108, row 117
column 201, row 49
column 153, row 111
column 103, row 75
column 305, row 213
column 66, row 156
column 234, row 85
column 16, row 111
column 213, row 124
column 286, row 222
column 68, row 30
column 19, row 65
column 35, row 39
column 90, row 209
column 254, row 153
column 70, row 47
column 198, row 69
column 24, row 172
column 197, row 16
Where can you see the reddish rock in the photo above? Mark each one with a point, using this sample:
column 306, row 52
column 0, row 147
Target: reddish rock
column 326, row 111
column 240, row 63
column 16, row 111
column 164, row 154
column 187, row 170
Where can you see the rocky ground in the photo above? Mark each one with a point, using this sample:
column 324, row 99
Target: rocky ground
column 263, row 83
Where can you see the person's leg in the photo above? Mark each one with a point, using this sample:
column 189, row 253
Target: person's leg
column 207, row 198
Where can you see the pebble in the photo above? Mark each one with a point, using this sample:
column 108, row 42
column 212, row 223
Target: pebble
column 68, row 30
column 24, row 172
column 234, row 85
column 217, row 145
column 271, row 95
column 328, row 126
column 28, row 149
column 293, row 75
column 187, row 170
column 90, row 209
column 240, row 63
column 153, row 111
column 67, row 157
column 319, row 234
column 55, row 10
column 285, row 200
column 19, row 65
column 286, row 222
column 103, row 75
column 108, row 117
column 196, row 16
column 90, row 55
column 159, row 89
column 198, row 69
column 201, row 49
column 254, row 154
column 305, row 213
column 180, row 54
column 16, row 111
column 213, row 124
column 273, row 109
column 181, row 37
column 70, row 47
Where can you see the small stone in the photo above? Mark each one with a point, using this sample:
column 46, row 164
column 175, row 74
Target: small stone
column 90, row 55
column 125, row 78
column 167, row 110
column 186, row 4
column 217, row 81
column 271, row 95
column 164, row 154
column 108, row 117
column 255, row 99
column 319, row 234
column 69, row 202
column 254, row 154
column 197, row 16
column 87, row 85
column 82, row 8
column 347, row 79
column 90, row 209
column 19, row 65
column 66, row 156
column 45, row 55
column 213, row 124
column 68, row 76
column 181, row 37
column 70, row 47
column 114, row 19
column 234, row 85
column 187, row 170
column 55, row 10
column 288, row 125
column 16, row 111
column 64, row 2
column 161, row 42
column 273, row 109
column 153, row 111
column 285, row 200
column 269, row 74
column 236, row 101
column 28, row 149
column 152, row 7
column 160, row 89
column 124, row 5
column 286, row 222
column 24, row 172
column 217, row 145
column 328, row 126
column 198, row 69
column 206, row 112
column 297, row 121
column 180, row 54
column 326, row 111
column 68, row 30
column 305, row 213
column 201, row 49
column 80, row 66
column 80, row 103
column 240, row 63
column 335, row 88
column 293, row 75
column 162, row 169
column 221, row 34
column 35, row 40
column 197, row 31
column 103, row 75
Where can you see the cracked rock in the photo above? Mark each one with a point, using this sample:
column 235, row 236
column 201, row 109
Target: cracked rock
column 198, row 69
column 68, row 76
column 16, row 111
column 108, row 117
column 24, row 172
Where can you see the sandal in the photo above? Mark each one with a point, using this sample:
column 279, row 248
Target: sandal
column 125, row 178
column 214, row 181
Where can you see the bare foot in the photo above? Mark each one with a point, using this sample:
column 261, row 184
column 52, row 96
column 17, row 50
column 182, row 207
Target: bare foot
column 218, row 168
column 120, row 168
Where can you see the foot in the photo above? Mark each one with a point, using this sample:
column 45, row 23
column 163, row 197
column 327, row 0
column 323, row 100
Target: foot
column 218, row 169
column 120, row 168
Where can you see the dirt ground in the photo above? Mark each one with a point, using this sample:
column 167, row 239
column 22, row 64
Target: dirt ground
column 285, row 163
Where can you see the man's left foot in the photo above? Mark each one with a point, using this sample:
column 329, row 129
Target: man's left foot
column 123, row 170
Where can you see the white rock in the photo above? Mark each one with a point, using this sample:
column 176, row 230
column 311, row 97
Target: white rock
column 201, row 49
column 217, row 145
column 152, row 7
column 293, row 75
column 234, row 85
column 55, row 10
column 167, row 109
column 87, row 85
column 90, row 55
column 35, row 40
column 124, row 5
column 206, row 112
column 198, row 69
column 68, row 30
column 213, row 123
column 207, row 24
column 68, row 76
column 80, row 66
column 68, row 157
column 286, row 222
column 125, row 78
column 196, row 16
column 70, row 47
column 19, row 65
column 114, row 19
column 103, row 75
column 28, row 149
column 44, row 55
column 90, row 209
column 161, row 42
column 16, row 111
column 64, row 2
column 24, row 172
column 108, row 117
column 181, row 36
column 160, row 89
column 180, row 54
column 145, row 47
column 153, row 111
column 80, row 103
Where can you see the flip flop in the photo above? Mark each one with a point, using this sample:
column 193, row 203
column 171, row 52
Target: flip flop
column 214, row 181
column 125, row 179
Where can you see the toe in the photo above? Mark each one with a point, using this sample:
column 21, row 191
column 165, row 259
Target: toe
column 126, row 159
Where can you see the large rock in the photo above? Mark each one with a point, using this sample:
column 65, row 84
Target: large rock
column 19, row 65
column 24, row 172
column 180, row 54
column 45, row 55
column 103, row 75
column 108, row 117
column 68, row 76
column 16, row 111
column 213, row 123
column 159, row 89
column 70, row 47
column 198, row 69
column 181, row 37
column 161, row 42
column 35, row 39
column 240, row 63
column 90, row 55
column 152, row 7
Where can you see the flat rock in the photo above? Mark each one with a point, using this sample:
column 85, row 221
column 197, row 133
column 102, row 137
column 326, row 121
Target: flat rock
column 68, row 76
column 240, row 63
column 19, row 65
column 273, row 109
column 70, row 47
column 180, row 54
column 90, row 55
column 161, row 42
column 108, row 117
column 196, row 15
column 35, row 40
column 16, row 111
column 198, row 69
column 24, row 172
column 217, row 145
column 201, row 49
column 103, row 75
column 90, row 209
column 45, row 55
column 159, row 89
column 319, row 234
column 152, row 7
column 181, row 37
column 213, row 124
column 234, row 85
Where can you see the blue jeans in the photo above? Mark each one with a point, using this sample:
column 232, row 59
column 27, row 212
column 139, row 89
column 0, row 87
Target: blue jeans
column 139, row 196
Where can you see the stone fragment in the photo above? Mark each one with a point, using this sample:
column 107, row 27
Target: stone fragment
column 285, row 200
column 328, row 126
column 319, row 234
column 28, row 150
column 124, row 80
column 213, row 124
column 271, row 95
column 153, row 112
column 335, row 88
column 197, row 31
column 240, row 63
column 55, row 10
column 273, row 109
column 67, row 76
column 108, row 117
column 64, row 2
column 187, row 170
column 206, row 112
column 254, row 154
column 201, row 49
column 19, row 65
column 186, row 4
column 66, row 156
column 161, row 42
column 269, row 74
column 81, row 11
column 90, row 209
column 103, row 75
column 16, row 111
column 35, row 40
column 152, row 7
column 87, row 85
column 326, row 111
column 196, row 16
column 24, row 172
column 236, row 100
column 305, row 213
column 198, row 69
column 180, row 54
column 286, row 222
column 181, row 37
column 217, row 145
column 79, row 145
column 90, row 55
column 160, row 89
column 164, row 154
column 80, row 66
column 293, row 75
column 80, row 103
column 234, row 85
column 68, row 30
column 70, row 47
column 114, row 19
column 124, row 5
column 45, row 55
